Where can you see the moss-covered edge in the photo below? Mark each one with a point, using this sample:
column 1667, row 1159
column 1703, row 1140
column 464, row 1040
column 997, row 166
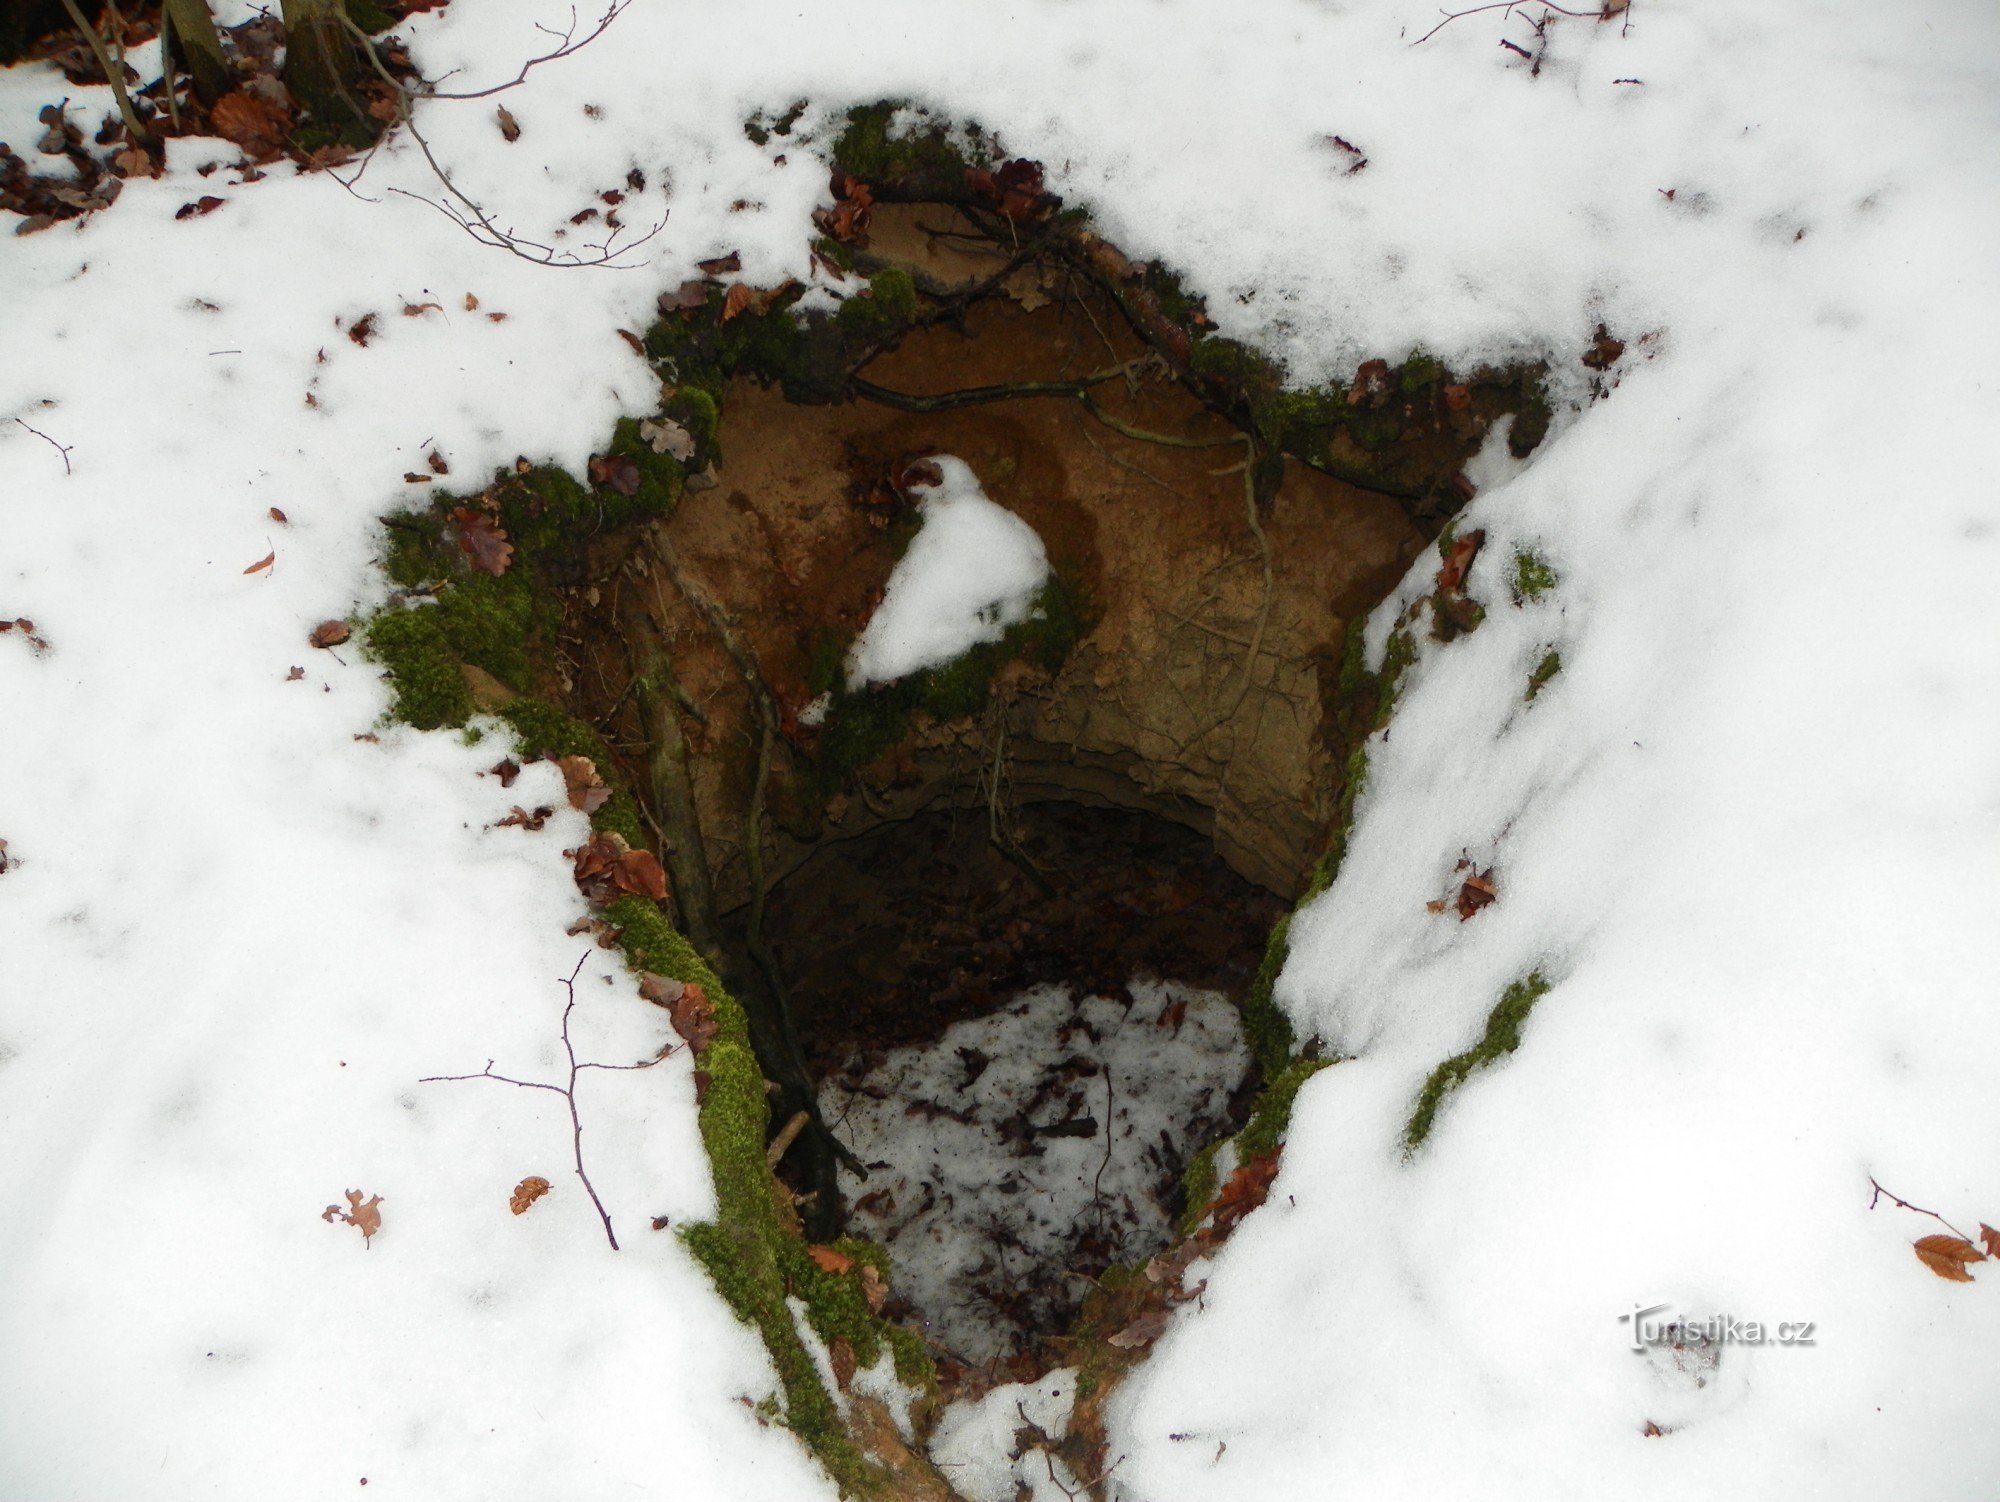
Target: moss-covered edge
column 1502, row 1036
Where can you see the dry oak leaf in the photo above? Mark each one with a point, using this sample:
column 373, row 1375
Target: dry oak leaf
column 530, row 1189
column 1247, row 1188
column 482, row 540
column 1458, row 562
column 257, row 124
column 693, row 1017
column 873, row 1289
column 1990, row 1239
column 586, row 788
column 365, row 1218
column 619, row 472
column 830, row 1260
column 330, row 633
column 1142, row 1332
column 1947, row 1256
column 666, row 436
column 607, row 866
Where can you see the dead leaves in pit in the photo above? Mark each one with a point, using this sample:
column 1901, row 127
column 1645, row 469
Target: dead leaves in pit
column 1475, row 892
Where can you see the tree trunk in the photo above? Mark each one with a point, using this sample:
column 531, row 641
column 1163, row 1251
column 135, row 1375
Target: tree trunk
column 198, row 44
column 322, row 66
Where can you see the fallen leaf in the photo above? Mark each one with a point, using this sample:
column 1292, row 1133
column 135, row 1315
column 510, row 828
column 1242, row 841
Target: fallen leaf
column 506, row 771
column 1477, row 893
column 521, row 818
column 413, row 478
column 638, row 344
column 436, row 461
column 527, row 1192
column 262, row 563
column 330, row 633
column 295, row 675
column 277, row 515
column 208, row 203
column 830, row 1260
column 661, row 990
column 496, row 317
column 721, row 265
column 873, row 1289
column 665, row 436
column 1142, row 1332
column 363, row 330
column 1458, row 562
column 471, row 303
column 1371, row 382
column 1458, row 398
column 365, row 1218
column 509, row 126
column 418, row 309
column 661, row 1222
column 586, row 788
column 258, row 124
column 1947, row 1256
column 1604, row 350
column 619, row 472
column 1990, row 1239
column 736, row 299
column 1247, row 1188
column 693, row 1017
column 684, row 298
column 1652, row 1430
column 482, row 539
column 840, row 1356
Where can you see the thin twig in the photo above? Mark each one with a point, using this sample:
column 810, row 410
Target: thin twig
column 1882, row 1194
column 1456, row 15
column 60, row 448
column 567, row 1092
column 564, row 49
column 114, row 73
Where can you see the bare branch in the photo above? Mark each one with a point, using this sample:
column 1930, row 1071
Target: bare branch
column 564, row 47
column 1603, row 13
column 60, row 448
column 566, row 1091
column 1883, row 1194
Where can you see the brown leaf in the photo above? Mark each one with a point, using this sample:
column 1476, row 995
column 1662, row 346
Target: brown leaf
column 364, row 329
column 1947, row 1256
column 521, row 818
column 586, row 788
column 1458, row 562
column 262, row 563
column 638, row 344
column 1604, row 350
column 471, row 303
column 721, row 265
column 509, row 126
column 1371, row 382
column 436, row 461
column 1247, row 1188
column 665, row 436
column 483, row 541
column 506, row 770
column 693, row 1017
column 736, row 299
column 685, row 298
column 873, row 1289
column 527, row 1192
column 411, row 477
column 208, row 203
column 295, row 675
column 1458, row 398
column 1990, row 1239
column 1477, row 892
column 640, row 873
column 330, row 633
column 277, row 515
column 830, row 1260
column 365, row 1218
column 496, row 317
column 1142, row 1332
column 619, row 472
column 840, row 1355
column 257, row 124
column 661, row 990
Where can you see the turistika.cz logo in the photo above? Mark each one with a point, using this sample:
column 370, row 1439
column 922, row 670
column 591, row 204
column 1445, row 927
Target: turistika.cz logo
column 1716, row 1330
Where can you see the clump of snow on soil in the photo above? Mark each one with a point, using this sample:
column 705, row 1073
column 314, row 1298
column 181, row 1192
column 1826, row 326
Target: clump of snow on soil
column 988, row 1155
column 988, row 1447
column 972, row 571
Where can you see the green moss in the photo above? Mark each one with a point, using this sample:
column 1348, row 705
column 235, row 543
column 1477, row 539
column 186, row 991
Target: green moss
column 416, row 553
column 1302, row 422
column 922, row 161
column 1273, row 1114
column 1533, row 577
column 369, row 16
column 889, row 304
column 1532, row 417
column 493, row 622
column 660, row 478
column 541, row 729
column 430, row 692
column 1419, row 371
column 1550, row 665
column 1265, row 1027
column 1237, row 364
column 1502, row 1036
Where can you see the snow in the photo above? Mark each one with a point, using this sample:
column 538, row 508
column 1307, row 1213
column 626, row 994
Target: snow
column 973, row 570
column 979, row 1448
column 1030, row 1138
column 1747, row 832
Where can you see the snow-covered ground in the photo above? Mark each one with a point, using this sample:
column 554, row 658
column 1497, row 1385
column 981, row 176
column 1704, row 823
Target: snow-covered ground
column 1746, row 833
